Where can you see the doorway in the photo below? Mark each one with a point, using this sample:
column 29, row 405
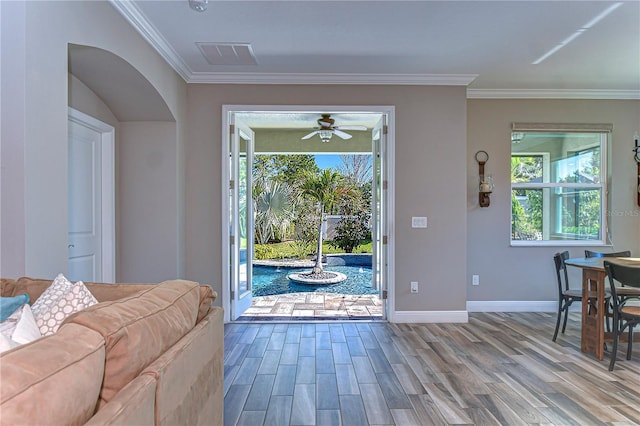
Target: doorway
column 297, row 130
column 91, row 210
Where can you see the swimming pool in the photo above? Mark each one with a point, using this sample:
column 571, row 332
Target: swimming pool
column 271, row 280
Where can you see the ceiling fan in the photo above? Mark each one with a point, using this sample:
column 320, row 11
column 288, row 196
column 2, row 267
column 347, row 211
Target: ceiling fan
column 327, row 129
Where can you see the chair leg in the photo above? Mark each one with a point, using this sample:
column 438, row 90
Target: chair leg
column 566, row 315
column 555, row 334
column 630, row 344
column 616, row 333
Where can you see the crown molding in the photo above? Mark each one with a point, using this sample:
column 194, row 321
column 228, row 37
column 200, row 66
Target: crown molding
column 552, row 94
column 332, row 78
column 136, row 18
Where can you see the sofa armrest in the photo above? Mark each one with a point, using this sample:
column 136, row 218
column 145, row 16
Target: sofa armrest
column 133, row 405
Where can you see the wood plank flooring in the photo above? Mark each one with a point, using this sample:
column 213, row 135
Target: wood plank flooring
column 498, row 369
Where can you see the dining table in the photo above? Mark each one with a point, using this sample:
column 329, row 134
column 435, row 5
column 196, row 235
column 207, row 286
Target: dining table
column 592, row 334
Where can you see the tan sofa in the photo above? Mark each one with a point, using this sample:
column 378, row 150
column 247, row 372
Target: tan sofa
column 147, row 354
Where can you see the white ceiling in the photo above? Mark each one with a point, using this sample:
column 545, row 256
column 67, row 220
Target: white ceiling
column 487, row 45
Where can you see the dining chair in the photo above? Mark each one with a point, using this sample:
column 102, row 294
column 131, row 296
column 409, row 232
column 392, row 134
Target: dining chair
column 624, row 316
column 623, row 292
column 589, row 253
column 566, row 295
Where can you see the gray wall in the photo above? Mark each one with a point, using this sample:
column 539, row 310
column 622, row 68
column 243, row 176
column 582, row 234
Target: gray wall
column 430, row 180
column 527, row 273
column 33, row 223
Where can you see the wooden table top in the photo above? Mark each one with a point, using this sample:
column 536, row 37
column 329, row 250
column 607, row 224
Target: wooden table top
column 597, row 263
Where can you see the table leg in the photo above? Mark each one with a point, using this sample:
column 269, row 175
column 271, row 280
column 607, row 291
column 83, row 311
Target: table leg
column 592, row 337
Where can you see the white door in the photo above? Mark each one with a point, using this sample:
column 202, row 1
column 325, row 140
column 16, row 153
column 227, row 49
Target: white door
column 90, row 192
column 241, row 217
column 379, row 212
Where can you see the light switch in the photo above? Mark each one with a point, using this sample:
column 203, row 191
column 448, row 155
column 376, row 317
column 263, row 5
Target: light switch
column 418, row 222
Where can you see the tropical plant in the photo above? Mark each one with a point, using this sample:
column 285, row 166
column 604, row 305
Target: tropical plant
column 325, row 189
column 351, row 231
column 274, row 210
column 354, row 227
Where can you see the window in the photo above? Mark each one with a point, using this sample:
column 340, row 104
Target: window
column 558, row 184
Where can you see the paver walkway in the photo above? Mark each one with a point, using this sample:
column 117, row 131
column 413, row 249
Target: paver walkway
column 313, row 306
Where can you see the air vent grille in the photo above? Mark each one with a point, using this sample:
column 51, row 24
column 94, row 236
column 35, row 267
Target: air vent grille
column 228, row 53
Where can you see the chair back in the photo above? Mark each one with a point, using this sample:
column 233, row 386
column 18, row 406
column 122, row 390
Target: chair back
column 589, row 253
column 626, row 275
column 561, row 271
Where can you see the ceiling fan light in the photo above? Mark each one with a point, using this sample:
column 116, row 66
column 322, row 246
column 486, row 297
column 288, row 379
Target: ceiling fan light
column 325, row 135
column 198, row 5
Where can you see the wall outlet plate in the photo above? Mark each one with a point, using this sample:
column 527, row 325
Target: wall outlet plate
column 418, row 222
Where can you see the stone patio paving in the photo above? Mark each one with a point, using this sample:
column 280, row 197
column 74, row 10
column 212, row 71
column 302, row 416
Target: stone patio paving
column 314, row 306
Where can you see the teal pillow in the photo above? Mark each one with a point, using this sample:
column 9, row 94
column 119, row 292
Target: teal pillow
column 8, row 305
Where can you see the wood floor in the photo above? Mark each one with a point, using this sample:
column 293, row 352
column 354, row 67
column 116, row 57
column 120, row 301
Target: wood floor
column 498, row 369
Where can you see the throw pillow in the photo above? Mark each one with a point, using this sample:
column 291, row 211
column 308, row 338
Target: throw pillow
column 26, row 330
column 61, row 299
column 8, row 305
column 18, row 329
column 6, row 343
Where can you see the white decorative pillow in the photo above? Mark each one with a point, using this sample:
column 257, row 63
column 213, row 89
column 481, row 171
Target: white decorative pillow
column 61, row 299
column 26, row 330
column 6, row 343
column 18, row 329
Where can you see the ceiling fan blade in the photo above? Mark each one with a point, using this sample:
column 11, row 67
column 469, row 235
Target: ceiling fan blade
column 342, row 134
column 310, row 135
column 351, row 128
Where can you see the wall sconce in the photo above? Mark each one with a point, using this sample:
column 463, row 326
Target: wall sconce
column 486, row 183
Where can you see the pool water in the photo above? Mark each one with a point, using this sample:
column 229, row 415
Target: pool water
column 270, row 280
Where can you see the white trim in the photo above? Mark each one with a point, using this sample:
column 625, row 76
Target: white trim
column 512, row 306
column 108, row 237
column 551, row 94
column 225, row 207
column 429, row 317
column 139, row 21
column 331, row 78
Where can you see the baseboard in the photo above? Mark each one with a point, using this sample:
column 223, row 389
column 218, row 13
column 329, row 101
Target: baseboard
column 512, row 306
column 429, row 316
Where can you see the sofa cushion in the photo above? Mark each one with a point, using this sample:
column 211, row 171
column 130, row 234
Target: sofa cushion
column 53, row 381
column 139, row 328
column 58, row 301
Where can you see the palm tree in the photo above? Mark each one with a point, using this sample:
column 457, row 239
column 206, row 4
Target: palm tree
column 275, row 209
column 326, row 189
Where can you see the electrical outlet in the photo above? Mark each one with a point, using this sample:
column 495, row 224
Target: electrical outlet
column 414, row 286
column 475, row 280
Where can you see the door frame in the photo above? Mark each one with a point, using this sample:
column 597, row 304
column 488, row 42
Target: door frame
column 107, row 156
column 389, row 110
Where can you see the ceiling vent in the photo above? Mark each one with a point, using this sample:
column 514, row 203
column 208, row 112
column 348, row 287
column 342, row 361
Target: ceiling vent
column 228, row 53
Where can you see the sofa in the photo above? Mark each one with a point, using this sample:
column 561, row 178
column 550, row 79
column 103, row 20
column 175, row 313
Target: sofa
column 146, row 354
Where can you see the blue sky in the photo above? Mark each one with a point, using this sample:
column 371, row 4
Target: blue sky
column 326, row 161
